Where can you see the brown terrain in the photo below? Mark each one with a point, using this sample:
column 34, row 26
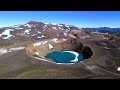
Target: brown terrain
column 21, row 64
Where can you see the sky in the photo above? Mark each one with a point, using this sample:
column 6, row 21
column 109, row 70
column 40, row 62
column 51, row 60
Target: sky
column 76, row 18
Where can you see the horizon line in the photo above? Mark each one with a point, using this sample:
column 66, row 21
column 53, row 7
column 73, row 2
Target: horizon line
column 60, row 23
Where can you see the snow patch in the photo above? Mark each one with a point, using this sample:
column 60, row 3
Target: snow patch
column 18, row 28
column 10, row 29
column 55, row 40
column 38, row 37
column 44, row 42
column 65, row 34
column 54, row 23
column 70, row 35
column 50, row 46
column 104, row 43
column 16, row 48
column 37, row 44
column 33, row 35
column 40, row 43
column 118, row 69
column 43, row 59
column 44, row 26
column 3, row 51
column 7, row 32
column 55, row 28
column 26, row 31
column 68, row 29
column 37, row 53
column 67, row 26
column 60, row 28
column 46, row 23
column 105, row 33
column 107, row 48
column 39, row 32
column 64, row 39
column 27, row 25
column 33, row 25
column 60, row 25
column 41, row 36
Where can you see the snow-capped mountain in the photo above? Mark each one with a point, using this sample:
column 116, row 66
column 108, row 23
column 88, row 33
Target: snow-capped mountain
column 32, row 29
column 38, row 30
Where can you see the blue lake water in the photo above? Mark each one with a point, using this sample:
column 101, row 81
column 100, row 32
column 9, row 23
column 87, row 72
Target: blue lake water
column 65, row 56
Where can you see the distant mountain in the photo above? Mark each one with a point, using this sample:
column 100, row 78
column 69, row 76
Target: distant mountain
column 113, row 31
column 34, row 30
column 104, row 28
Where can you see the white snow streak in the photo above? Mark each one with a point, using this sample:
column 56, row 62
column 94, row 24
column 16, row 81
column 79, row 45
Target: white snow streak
column 16, row 48
column 40, row 43
column 50, row 46
column 4, row 51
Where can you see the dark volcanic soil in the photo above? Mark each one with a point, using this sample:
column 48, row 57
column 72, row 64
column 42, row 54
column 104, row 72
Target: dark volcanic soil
column 18, row 65
column 106, row 56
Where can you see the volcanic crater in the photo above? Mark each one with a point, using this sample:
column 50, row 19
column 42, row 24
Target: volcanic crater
column 42, row 48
